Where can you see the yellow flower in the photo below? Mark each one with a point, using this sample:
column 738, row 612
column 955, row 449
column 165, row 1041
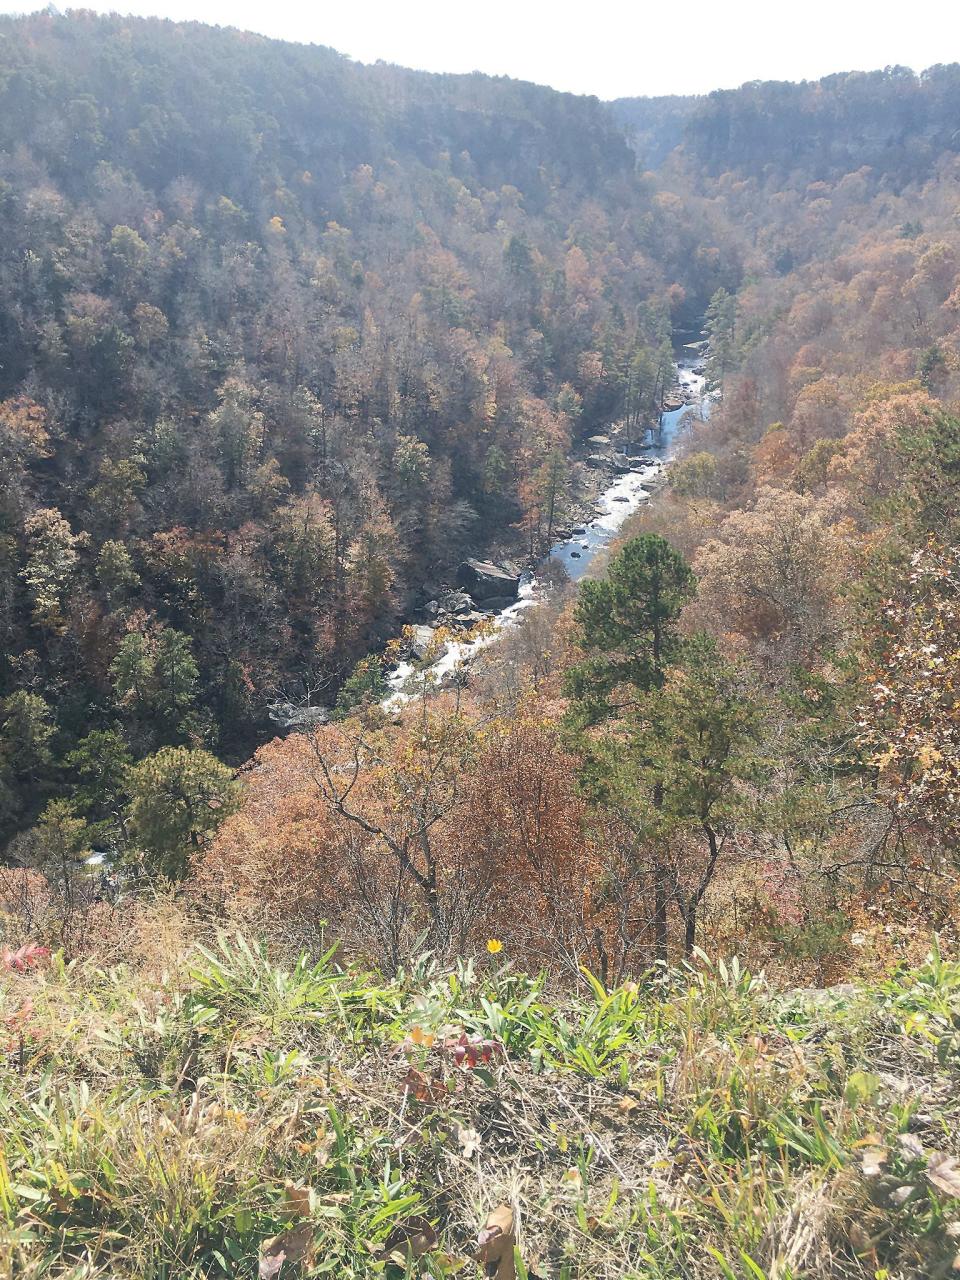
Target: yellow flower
column 494, row 945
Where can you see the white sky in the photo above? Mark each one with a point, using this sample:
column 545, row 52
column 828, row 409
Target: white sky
column 612, row 48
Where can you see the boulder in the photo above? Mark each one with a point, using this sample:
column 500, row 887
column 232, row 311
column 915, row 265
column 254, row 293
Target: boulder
column 456, row 602
column 578, row 532
column 600, row 440
column 487, row 581
column 421, row 638
column 464, row 621
column 596, row 460
column 297, row 717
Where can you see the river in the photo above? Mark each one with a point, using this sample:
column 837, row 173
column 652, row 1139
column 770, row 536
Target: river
column 620, row 500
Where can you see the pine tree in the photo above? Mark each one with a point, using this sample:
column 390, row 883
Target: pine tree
column 178, row 799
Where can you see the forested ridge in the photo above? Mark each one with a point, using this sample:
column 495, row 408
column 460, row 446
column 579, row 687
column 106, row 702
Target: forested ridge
column 896, row 121
column 628, row 946
column 283, row 338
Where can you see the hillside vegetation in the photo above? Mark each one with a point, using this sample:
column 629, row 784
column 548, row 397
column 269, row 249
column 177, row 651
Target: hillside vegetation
column 203, row 1111
column 627, row 949
column 284, row 338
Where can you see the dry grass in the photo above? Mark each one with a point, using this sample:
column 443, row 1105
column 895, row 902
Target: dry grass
column 164, row 1117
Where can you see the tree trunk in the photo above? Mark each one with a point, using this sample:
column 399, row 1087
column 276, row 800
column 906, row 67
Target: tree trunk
column 661, row 894
column 661, row 886
column 690, row 930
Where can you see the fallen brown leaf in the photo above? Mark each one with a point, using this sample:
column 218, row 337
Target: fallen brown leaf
column 497, row 1239
column 872, row 1161
column 288, row 1246
column 469, row 1141
column 943, row 1172
column 416, row 1085
column 296, row 1201
column 410, row 1239
column 910, row 1146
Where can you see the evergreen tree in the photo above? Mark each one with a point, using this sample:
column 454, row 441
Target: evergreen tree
column 721, row 322
column 626, row 626
column 679, row 768
column 178, row 799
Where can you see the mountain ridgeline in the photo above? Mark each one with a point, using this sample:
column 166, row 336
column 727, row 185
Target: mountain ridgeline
column 897, row 123
column 289, row 346
column 283, row 337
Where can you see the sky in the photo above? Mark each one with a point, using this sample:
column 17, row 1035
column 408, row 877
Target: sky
column 611, row 48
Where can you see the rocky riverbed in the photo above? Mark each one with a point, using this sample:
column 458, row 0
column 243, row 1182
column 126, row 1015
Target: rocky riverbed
column 612, row 480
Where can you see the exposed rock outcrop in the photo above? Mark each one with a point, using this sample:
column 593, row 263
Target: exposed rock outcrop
column 487, row 581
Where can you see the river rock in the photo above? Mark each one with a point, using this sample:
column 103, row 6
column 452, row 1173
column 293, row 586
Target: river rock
column 298, row 718
column 421, row 638
column 464, row 621
column 578, row 532
column 599, row 440
column 486, row 580
column 456, row 602
column 596, row 460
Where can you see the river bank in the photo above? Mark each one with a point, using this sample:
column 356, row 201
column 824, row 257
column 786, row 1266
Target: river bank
column 615, row 479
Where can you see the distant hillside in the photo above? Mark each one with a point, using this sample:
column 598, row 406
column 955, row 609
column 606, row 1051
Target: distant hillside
column 234, row 110
column 283, row 338
column 655, row 126
column 893, row 121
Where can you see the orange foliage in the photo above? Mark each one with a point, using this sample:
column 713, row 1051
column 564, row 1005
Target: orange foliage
column 510, row 847
column 276, row 859
column 525, row 821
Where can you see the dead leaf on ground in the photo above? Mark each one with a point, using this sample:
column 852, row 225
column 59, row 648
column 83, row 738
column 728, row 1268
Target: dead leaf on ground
column 410, row 1239
column 943, row 1172
column 296, row 1200
column 416, row 1085
column 469, row 1141
column 627, row 1105
column 497, row 1239
column 289, row 1246
column 910, row 1146
column 873, row 1160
